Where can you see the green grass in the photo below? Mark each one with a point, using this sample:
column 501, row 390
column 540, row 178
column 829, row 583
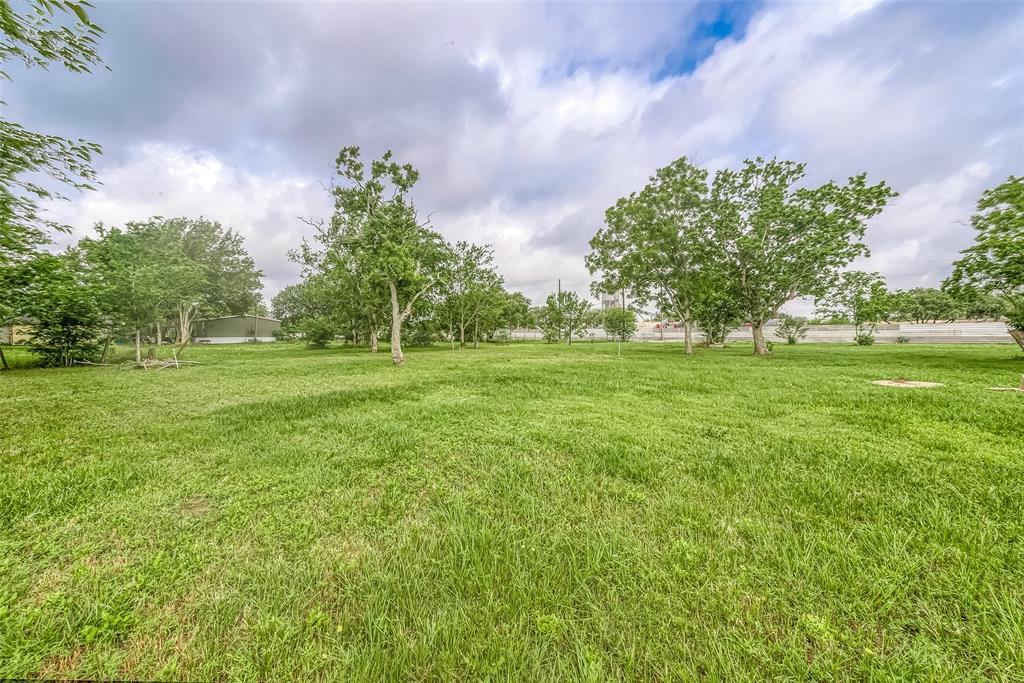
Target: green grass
column 522, row 512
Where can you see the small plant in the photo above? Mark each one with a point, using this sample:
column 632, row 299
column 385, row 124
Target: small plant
column 864, row 339
column 318, row 332
column 792, row 328
column 902, row 340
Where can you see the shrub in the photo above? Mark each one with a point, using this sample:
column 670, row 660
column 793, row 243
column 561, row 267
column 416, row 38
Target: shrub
column 902, row 340
column 791, row 328
column 318, row 332
column 864, row 339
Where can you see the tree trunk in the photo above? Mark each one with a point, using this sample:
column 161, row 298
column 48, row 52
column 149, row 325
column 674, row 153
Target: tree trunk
column 462, row 335
column 1018, row 336
column 760, row 347
column 159, row 333
column 397, row 357
column 184, row 328
column 106, row 346
column 688, row 337
column 373, row 340
column 3, row 359
column 138, row 346
column 476, row 335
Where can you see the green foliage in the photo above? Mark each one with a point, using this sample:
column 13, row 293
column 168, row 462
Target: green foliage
column 471, row 297
column 565, row 315
column 619, row 323
column 654, row 245
column 995, row 263
column 374, row 254
column 791, row 328
column 38, row 33
column 170, row 269
column 926, row 304
column 860, row 297
column 864, row 339
column 778, row 240
column 737, row 251
column 65, row 312
column 318, row 331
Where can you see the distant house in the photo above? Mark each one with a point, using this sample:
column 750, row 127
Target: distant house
column 235, row 329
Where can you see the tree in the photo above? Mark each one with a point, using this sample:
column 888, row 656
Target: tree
column 654, row 245
column 791, row 328
column 516, row 312
column 216, row 275
column 776, row 242
column 620, row 323
column 860, row 297
column 66, row 315
column 994, row 265
column 41, row 34
column 473, row 290
column 375, row 239
column 925, row 304
column 717, row 313
column 565, row 314
column 152, row 271
column 133, row 269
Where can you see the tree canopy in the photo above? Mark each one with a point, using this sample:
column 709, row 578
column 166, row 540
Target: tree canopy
column 995, row 263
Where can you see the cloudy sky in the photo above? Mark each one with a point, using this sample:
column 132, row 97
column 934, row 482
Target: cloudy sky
column 528, row 120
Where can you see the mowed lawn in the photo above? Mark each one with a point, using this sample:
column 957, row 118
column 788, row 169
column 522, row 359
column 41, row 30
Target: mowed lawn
column 526, row 512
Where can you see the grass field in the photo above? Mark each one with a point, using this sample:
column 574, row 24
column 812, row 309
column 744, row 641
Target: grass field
column 523, row 512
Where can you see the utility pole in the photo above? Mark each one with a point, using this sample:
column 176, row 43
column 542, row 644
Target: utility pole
column 558, row 308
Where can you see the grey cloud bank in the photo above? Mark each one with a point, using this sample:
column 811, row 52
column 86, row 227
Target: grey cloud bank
column 528, row 120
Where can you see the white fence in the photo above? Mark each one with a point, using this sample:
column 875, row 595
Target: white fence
column 959, row 332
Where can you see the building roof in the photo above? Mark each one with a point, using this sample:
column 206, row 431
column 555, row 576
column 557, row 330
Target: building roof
column 244, row 315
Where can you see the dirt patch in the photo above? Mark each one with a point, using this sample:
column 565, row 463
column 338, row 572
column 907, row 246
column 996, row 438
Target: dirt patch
column 195, row 507
column 906, row 383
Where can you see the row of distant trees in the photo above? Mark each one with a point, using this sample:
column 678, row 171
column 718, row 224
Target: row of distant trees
column 375, row 270
column 718, row 252
column 147, row 281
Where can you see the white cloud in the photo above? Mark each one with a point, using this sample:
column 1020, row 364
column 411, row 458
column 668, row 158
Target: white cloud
column 527, row 120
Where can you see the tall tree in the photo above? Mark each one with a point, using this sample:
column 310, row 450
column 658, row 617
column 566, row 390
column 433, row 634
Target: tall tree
column 37, row 34
column 776, row 241
column 375, row 228
column 654, row 245
column 136, row 270
column 994, row 265
column 216, row 276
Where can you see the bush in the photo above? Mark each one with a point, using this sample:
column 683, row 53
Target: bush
column 902, row 340
column 318, row 332
column 864, row 339
column 791, row 328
